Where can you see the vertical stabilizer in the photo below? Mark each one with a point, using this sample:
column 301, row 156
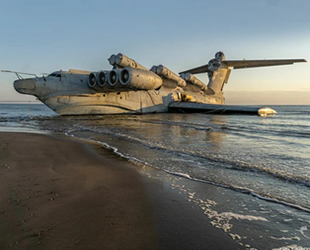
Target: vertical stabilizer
column 217, row 78
column 218, row 73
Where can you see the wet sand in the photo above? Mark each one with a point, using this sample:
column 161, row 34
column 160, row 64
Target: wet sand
column 58, row 193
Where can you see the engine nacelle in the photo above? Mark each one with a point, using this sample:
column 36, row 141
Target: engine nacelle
column 124, row 61
column 168, row 74
column 92, row 80
column 113, row 77
column 139, row 79
column 98, row 81
column 102, row 78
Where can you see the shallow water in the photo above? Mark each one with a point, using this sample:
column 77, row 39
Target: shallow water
column 267, row 157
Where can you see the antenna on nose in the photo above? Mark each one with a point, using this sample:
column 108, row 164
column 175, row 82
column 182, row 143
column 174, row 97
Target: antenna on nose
column 18, row 74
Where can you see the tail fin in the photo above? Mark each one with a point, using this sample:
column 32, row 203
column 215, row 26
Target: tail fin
column 219, row 69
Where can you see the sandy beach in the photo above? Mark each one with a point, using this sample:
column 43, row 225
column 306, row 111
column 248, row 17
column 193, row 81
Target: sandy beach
column 58, row 193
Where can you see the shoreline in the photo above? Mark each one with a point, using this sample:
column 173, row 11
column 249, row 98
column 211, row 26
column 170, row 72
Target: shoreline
column 137, row 162
column 60, row 193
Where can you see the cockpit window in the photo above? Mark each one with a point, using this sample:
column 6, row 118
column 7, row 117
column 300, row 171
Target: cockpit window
column 55, row 75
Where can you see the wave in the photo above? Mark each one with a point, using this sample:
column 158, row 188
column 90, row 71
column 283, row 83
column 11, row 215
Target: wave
column 112, row 149
column 20, row 118
column 223, row 162
column 139, row 162
column 275, row 132
column 278, row 130
column 242, row 190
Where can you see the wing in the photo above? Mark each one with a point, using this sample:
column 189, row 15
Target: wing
column 194, row 107
column 239, row 64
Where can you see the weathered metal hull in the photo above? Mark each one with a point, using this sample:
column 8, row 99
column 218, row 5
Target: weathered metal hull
column 131, row 102
column 71, row 95
column 76, row 98
column 94, row 104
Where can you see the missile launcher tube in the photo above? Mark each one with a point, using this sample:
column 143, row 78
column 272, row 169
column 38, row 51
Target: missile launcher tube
column 169, row 83
column 193, row 80
column 124, row 61
column 154, row 69
column 168, row 74
column 112, row 59
column 166, row 82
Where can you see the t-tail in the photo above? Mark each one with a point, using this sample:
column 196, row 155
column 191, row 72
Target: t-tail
column 218, row 69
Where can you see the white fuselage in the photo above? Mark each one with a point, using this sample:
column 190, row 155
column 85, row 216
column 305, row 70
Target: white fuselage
column 69, row 94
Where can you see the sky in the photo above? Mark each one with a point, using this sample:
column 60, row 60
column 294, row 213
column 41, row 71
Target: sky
column 45, row 36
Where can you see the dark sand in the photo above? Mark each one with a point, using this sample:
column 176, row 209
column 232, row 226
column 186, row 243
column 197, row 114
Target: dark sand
column 58, row 193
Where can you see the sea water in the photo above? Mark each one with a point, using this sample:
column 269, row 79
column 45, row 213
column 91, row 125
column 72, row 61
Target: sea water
column 265, row 157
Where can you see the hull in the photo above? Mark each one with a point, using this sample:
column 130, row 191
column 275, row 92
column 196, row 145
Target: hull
column 76, row 98
column 131, row 102
column 134, row 91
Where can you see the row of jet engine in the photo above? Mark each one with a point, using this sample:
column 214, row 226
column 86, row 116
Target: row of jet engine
column 127, row 75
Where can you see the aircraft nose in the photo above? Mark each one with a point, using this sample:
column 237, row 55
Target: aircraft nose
column 25, row 85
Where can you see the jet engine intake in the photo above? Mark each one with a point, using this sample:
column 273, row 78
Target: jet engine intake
column 139, row 79
column 102, row 77
column 113, row 77
column 92, row 80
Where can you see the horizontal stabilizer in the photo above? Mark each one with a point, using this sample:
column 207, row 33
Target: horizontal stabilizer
column 198, row 70
column 194, row 107
column 239, row 64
